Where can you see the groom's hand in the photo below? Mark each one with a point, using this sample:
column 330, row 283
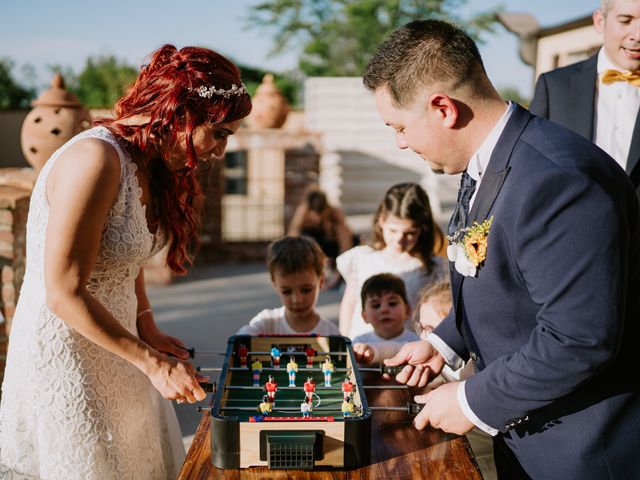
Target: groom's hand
column 442, row 410
column 423, row 362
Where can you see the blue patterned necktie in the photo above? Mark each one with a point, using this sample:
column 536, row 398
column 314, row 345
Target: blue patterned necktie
column 460, row 213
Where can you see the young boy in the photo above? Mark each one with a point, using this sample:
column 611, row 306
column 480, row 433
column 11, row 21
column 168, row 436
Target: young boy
column 386, row 308
column 296, row 265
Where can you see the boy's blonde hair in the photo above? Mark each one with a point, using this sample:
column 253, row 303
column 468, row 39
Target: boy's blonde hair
column 290, row 254
column 438, row 292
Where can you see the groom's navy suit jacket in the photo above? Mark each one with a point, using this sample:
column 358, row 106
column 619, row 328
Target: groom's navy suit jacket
column 567, row 96
column 553, row 314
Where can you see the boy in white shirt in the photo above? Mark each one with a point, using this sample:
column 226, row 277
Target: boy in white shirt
column 386, row 308
column 296, row 265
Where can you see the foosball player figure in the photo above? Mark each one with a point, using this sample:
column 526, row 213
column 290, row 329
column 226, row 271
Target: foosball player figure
column 311, row 352
column 292, row 370
column 271, row 387
column 327, row 370
column 265, row 406
column 291, row 349
column 256, row 367
column 243, row 351
column 347, row 389
column 309, row 388
column 306, row 407
column 347, row 407
column 275, row 356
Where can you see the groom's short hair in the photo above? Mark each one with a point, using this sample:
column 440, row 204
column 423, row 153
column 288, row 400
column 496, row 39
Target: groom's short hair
column 420, row 54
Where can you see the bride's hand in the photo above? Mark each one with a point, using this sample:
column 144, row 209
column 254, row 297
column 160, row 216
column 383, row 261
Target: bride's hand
column 155, row 338
column 176, row 379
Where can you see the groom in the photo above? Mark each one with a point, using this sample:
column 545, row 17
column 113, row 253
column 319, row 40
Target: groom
column 550, row 310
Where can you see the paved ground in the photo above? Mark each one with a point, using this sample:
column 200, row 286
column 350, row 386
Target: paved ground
column 209, row 305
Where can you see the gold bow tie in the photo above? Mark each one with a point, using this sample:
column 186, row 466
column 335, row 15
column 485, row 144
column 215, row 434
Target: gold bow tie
column 611, row 76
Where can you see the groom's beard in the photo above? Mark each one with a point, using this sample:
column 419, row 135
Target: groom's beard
column 438, row 171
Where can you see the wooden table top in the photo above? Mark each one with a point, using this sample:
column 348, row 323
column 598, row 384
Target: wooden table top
column 398, row 451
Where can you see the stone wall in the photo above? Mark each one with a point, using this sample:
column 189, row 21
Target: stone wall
column 15, row 191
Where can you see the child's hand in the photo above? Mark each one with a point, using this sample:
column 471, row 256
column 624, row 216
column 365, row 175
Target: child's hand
column 363, row 353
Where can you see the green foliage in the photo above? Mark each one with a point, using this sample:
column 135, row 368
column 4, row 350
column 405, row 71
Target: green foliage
column 288, row 83
column 12, row 94
column 340, row 36
column 513, row 94
column 102, row 81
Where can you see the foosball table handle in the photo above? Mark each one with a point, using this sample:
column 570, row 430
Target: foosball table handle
column 209, row 387
column 391, row 371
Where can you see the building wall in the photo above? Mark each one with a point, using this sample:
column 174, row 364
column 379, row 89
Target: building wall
column 360, row 159
column 565, row 48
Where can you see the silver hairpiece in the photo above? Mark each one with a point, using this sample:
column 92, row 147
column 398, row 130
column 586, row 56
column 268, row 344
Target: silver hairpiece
column 208, row 92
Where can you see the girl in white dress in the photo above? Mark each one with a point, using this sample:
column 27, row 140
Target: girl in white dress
column 78, row 398
column 405, row 238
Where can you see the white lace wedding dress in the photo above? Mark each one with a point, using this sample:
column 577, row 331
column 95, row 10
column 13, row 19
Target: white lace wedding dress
column 71, row 410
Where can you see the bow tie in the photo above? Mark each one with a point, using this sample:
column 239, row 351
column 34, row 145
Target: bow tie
column 611, row 76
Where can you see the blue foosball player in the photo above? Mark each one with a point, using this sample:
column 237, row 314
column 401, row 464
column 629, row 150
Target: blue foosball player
column 347, row 407
column 306, row 407
column 275, row 356
column 266, row 407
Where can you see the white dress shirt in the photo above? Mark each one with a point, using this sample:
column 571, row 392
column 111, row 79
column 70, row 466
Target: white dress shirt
column 615, row 113
column 475, row 168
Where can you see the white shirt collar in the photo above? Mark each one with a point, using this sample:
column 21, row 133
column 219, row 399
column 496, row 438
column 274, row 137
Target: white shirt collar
column 605, row 64
column 479, row 161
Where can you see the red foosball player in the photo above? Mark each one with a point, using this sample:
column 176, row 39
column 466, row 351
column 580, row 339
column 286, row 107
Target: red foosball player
column 309, row 388
column 347, row 389
column 271, row 387
column 243, row 351
column 265, row 407
column 311, row 352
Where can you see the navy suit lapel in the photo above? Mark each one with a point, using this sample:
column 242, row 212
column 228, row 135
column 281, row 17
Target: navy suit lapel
column 634, row 151
column 583, row 86
column 498, row 167
column 492, row 181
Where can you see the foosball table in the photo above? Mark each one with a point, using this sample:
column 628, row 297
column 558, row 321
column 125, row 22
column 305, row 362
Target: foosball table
column 299, row 403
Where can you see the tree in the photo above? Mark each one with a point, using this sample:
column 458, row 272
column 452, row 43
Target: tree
column 340, row 36
column 513, row 94
column 102, row 81
column 12, row 94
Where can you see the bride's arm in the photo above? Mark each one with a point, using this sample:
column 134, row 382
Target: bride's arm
column 82, row 186
column 148, row 329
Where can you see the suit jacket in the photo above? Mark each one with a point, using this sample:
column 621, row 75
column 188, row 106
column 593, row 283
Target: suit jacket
column 567, row 96
column 552, row 316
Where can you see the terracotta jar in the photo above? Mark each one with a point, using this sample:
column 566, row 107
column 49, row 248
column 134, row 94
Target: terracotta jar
column 270, row 108
column 57, row 116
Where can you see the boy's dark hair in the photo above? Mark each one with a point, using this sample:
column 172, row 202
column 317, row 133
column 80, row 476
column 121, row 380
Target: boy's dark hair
column 438, row 292
column 422, row 53
column 289, row 255
column 381, row 284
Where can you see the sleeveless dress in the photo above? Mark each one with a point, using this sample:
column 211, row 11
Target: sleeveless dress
column 70, row 409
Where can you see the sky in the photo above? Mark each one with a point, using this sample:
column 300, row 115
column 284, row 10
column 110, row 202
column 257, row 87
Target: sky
column 65, row 32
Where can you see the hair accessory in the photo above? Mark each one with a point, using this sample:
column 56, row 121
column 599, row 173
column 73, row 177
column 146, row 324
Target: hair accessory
column 208, row 92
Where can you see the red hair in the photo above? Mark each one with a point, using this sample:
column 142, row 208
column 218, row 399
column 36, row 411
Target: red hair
column 164, row 92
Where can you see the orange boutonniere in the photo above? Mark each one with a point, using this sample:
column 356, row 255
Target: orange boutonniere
column 468, row 247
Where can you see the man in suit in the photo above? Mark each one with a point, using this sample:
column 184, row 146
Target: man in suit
column 548, row 306
column 599, row 97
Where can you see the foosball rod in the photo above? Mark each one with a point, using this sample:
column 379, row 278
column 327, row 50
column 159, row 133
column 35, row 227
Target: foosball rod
column 193, row 353
column 319, row 387
column 273, row 369
column 410, row 408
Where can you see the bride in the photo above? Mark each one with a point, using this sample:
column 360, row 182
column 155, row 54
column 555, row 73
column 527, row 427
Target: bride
column 78, row 398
